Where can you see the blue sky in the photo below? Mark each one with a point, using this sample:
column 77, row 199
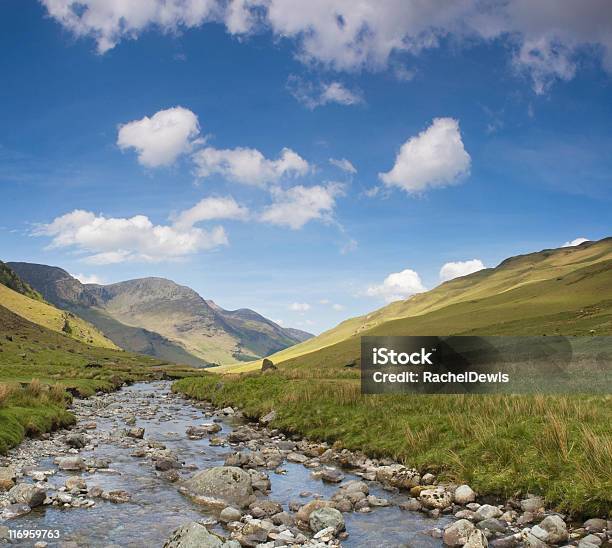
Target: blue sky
column 494, row 133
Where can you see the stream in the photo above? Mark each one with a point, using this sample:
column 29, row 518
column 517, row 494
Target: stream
column 156, row 507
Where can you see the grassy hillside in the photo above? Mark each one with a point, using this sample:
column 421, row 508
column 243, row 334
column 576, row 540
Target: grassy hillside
column 564, row 291
column 40, row 366
column 52, row 318
column 559, row 446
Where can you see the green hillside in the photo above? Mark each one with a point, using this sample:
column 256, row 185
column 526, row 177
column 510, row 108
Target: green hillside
column 559, row 446
column 564, row 291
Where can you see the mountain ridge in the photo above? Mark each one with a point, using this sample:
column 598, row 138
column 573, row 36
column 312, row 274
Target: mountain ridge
column 162, row 318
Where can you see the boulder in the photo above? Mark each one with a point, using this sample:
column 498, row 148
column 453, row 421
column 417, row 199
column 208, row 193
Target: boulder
column 268, row 365
column 457, row 533
column 436, row 498
column 230, row 514
column 595, row 525
column 477, row 539
column 15, row 511
column 27, row 493
column 71, row 463
column 117, row 497
column 325, row 517
column 487, row 511
column 268, row 417
column 303, row 515
column 193, row 535
column 75, row 482
column 137, row 433
column 76, row 441
column 551, row 530
column 221, row 486
column 7, row 477
column 398, row 476
column 532, row 504
column 464, row 494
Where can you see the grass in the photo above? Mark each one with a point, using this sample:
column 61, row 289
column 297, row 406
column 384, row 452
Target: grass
column 41, row 368
column 559, row 446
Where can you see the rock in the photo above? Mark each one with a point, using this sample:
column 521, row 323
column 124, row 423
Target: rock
column 595, row 525
column 267, row 365
column 412, row 505
column 325, row 517
column 76, row 441
column 221, row 486
column 398, row 476
column 551, row 530
column 303, row 515
column 253, row 533
column 265, row 508
column 331, row 475
column 7, row 478
column 15, row 511
column 532, row 504
column 268, row 417
column 118, row 496
column 137, row 433
column 531, row 541
column 164, row 463
column 75, row 482
column 171, row 475
column 377, row 501
column 95, row 491
column 353, row 486
column 493, row 525
column 589, row 541
column 227, row 411
column 297, row 457
column 27, row 493
column 242, row 434
column 505, row 542
column 487, row 511
column 71, row 463
column 457, row 533
column 193, row 535
column 203, row 430
column 435, row 498
column 477, row 539
column 230, row 514
column 464, row 494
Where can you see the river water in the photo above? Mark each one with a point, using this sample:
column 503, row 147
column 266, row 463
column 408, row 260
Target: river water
column 157, row 508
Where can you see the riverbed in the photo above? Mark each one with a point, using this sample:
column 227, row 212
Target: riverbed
column 156, row 507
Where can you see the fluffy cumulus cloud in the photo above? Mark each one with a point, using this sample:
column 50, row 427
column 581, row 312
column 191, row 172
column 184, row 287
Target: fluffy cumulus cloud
column 248, row 165
column 299, row 204
column 436, row 157
column 162, row 138
column 460, row 268
column 106, row 240
column 209, row 209
column 88, row 278
column 344, row 165
column 575, row 242
column 398, row 286
column 546, row 37
column 313, row 95
column 299, row 307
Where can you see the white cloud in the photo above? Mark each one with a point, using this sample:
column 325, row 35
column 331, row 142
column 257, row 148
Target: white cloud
column 575, row 242
column 106, row 240
column 436, row 157
column 161, row 139
column 350, row 246
column 343, row 164
column 338, row 307
column 299, row 204
column 209, row 209
column 460, row 268
column 324, row 301
column 546, row 36
column 398, row 286
column 313, row 95
column 248, row 165
column 88, row 278
column 299, row 307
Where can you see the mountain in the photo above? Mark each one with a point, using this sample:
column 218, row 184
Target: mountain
column 10, row 279
column 565, row 291
column 161, row 318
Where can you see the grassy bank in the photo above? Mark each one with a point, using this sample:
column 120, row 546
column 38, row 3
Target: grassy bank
column 560, row 447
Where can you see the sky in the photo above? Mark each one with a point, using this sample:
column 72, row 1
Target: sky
column 309, row 160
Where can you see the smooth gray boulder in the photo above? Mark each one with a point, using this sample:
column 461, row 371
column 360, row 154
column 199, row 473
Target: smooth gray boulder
column 457, row 533
column 194, row 535
column 221, row 486
column 324, row 518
